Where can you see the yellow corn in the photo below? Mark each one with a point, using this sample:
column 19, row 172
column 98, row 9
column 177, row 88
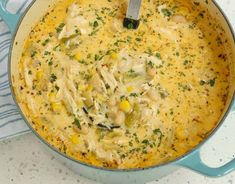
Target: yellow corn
column 39, row 75
column 74, row 139
column 125, row 106
column 89, row 88
column 78, row 56
column 56, row 106
column 114, row 56
column 129, row 89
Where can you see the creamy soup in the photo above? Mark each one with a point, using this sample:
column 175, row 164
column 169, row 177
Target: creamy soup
column 121, row 98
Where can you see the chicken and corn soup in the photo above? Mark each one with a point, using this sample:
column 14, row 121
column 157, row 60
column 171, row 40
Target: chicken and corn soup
column 122, row 98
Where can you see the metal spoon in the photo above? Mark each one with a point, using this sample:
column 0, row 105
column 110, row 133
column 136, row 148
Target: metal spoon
column 131, row 20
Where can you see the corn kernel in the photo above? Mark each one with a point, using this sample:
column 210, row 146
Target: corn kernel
column 56, row 106
column 130, row 89
column 39, row 75
column 74, row 139
column 125, row 106
column 89, row 88
column 78, row 56
column 114, row 56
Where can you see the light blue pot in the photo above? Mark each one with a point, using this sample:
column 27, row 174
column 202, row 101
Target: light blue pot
column 20, row 27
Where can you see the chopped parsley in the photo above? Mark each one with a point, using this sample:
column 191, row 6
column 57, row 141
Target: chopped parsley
column 50, row 63
column 166, row 12
column 45, row 42
column 53, row 78
column 150, row 64
column 93, row 32
column 159, row 133
column 130, row 25
column 95, row 24
column 134, row 94
column 145, row 141
column 33, row 53
column 202, row 82
column 184, row 87
column 87, row 77
column 60, row 27
column 211, row 82
column 132, row 73
column 158, row 55
column 186, row 62
column 57, row 88
column 97, row 57
column 77, row 123
column 47, row 53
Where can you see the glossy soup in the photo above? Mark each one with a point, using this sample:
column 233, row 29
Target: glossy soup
column 122, row 98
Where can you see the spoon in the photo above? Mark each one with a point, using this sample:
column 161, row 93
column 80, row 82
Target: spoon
column 131, row 21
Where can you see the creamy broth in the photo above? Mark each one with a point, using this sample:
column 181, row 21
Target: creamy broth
column 122, row 98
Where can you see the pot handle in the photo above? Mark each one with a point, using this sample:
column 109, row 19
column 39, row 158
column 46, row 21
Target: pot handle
column 10, row 19
column 194, row 162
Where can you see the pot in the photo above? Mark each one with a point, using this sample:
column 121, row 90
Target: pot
column 20, row 26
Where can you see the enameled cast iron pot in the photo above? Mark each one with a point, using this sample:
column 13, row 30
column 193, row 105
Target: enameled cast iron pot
column 20, row 26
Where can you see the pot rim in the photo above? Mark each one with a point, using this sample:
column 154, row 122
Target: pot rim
column 175, row 161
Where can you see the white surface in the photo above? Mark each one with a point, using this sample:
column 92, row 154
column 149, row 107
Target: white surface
column 23, row 160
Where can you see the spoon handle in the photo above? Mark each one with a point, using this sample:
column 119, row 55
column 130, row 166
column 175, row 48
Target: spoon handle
column 133, row 9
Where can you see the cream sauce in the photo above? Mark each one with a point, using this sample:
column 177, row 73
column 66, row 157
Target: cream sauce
column 123, row 98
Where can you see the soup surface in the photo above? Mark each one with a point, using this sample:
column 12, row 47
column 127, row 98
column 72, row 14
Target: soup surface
column 122, row 98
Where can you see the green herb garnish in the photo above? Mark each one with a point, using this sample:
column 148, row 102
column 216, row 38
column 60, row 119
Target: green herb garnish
column 95, row 24
column 60, row 27
column 212, row 82
column 158, row 55
column 159, row 133
column 202, row 82
column 53, row 78
column 33, row 53
column 134, row 94
column 45, row 42
column 77, row 123
column 166, row 12
column 145, row 141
